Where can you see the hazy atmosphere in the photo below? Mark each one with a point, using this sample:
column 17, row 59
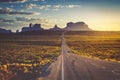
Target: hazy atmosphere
column 59, row 39
column 98, row 14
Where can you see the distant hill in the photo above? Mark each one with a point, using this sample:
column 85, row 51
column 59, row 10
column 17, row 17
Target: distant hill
column 79, row 26
column 4, row 31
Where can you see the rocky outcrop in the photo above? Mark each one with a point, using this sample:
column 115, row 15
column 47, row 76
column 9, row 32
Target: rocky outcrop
column 79, row 26
column 35, row 27
column 55, row 28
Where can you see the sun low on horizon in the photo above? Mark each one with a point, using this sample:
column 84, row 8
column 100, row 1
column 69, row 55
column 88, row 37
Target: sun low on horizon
column 101, row 15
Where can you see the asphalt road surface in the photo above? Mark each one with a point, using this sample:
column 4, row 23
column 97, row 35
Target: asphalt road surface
column 69, row 66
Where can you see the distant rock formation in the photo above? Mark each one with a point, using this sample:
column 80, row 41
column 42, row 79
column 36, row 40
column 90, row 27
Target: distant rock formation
column 35, row 27
column 4, row 31
column 79, row 26
column 17, row 31
column 55, row 28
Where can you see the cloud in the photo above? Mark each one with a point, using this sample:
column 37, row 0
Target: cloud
column 38, row 0
column 6, row 20
column 28, row 19
column 45, row 7
column 72, row 6
column 5, row 10
column 21, row 19
column 18, row 1
column 25, row 19
column 58, row 6
column 10, row 11
column 54, row 7
column 30, row 6
column 24, row 13
column 11, row 1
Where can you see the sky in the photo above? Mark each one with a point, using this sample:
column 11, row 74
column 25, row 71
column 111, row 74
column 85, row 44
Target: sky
column 102, row 15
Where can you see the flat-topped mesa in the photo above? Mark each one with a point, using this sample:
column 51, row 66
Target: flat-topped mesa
column 78, row 26
column 35, row 27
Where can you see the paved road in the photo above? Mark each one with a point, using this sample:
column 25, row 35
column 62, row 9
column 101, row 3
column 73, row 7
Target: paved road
column 69, row 66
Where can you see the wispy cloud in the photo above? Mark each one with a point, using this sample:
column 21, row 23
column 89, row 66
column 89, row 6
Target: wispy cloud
column 58, row 6
column 25, row 19
column 6, row 20
column 72, row 6
column 19, row 1
column 10, row 11
column 54, row 7
column 38, row 0
column 31, row 6
column 11, row 1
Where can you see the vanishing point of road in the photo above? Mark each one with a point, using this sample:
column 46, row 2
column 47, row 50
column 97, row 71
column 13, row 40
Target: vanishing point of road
column 69, row 66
